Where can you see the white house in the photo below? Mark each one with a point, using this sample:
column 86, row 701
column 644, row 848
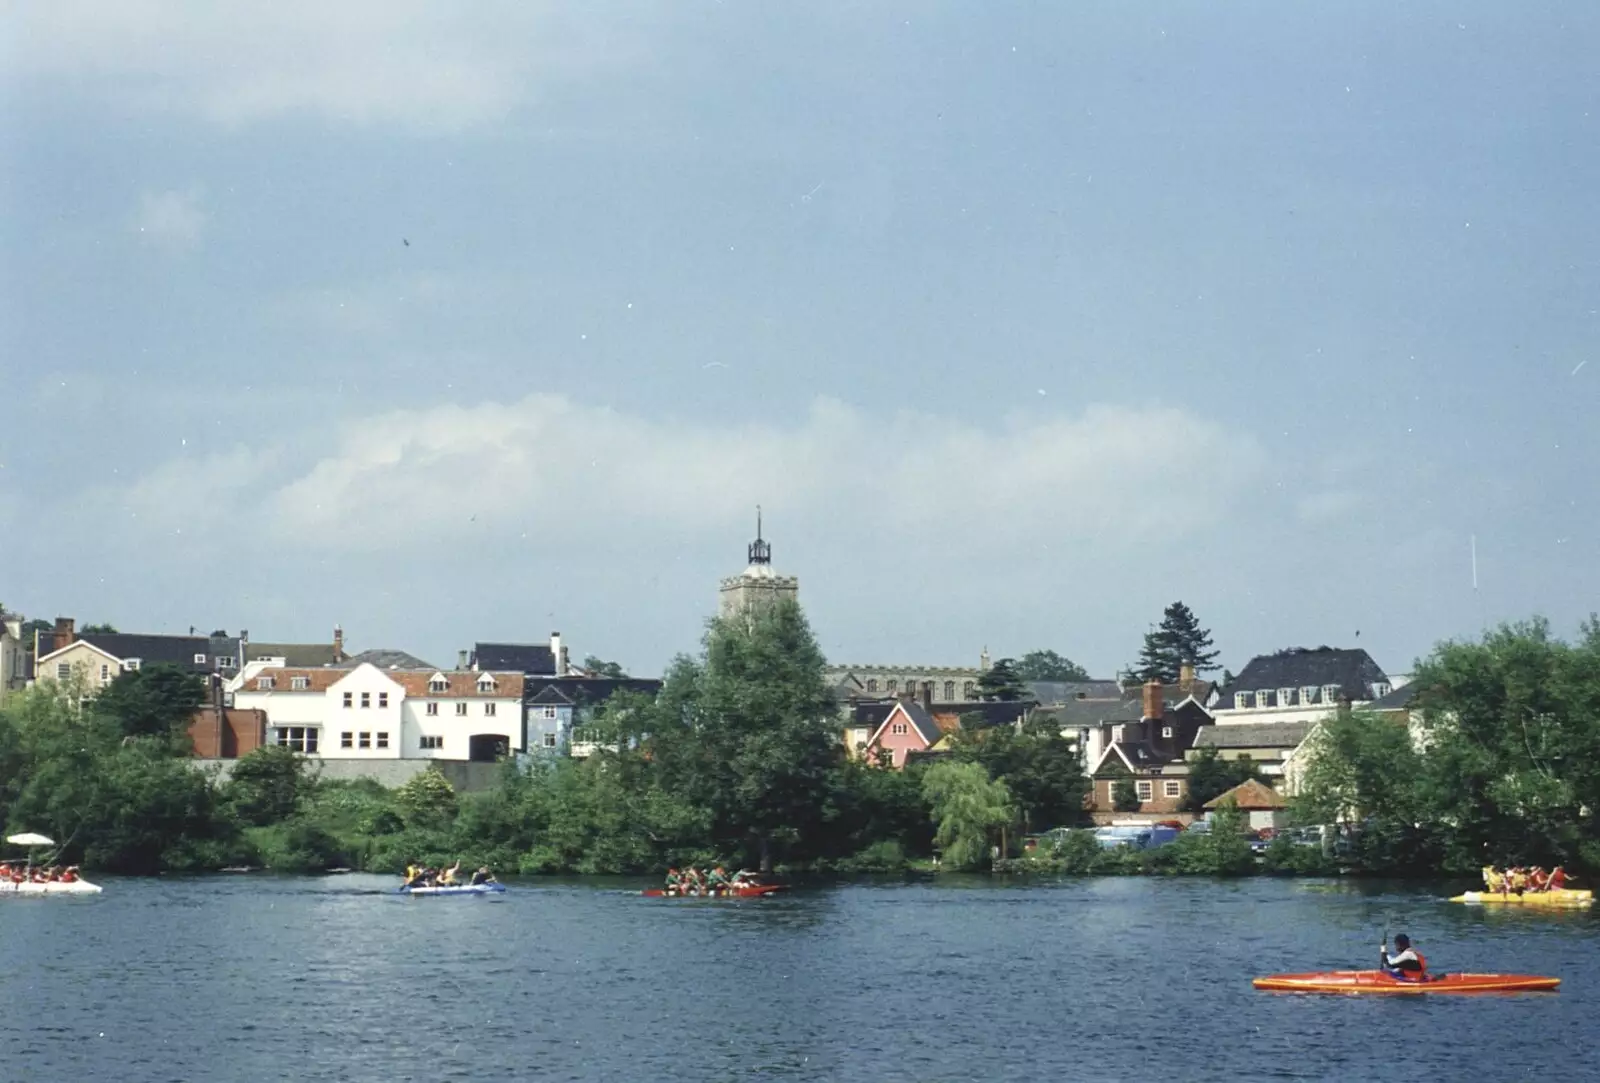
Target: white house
column 372, row 713
column 13, row 655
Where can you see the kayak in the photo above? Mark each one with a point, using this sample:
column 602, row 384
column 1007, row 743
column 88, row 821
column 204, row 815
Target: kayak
column 1564, row 897
column 457, row 889
column 752, row 891
column 53, row 887
column 1377, row 981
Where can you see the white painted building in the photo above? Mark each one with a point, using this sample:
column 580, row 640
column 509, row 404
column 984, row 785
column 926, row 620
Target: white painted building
column 13, row 655
column 371, row 713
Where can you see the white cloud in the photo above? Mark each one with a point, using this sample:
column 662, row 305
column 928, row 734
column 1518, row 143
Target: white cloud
column 171, row 219
column 412, row 61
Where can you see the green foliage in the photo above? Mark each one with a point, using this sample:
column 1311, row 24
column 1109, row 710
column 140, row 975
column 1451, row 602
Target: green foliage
column 1125, row 795
column 1046, row 665
column 1001, row 681
column 1211, row 776
column 1043, row 770
column 266, row 785
column 98, row 629
column 601, row 668
column 1224, row 850
column 152, row 701
column 968, row 807
column 1358, row 765
column 1178, row 639
column 427, row 799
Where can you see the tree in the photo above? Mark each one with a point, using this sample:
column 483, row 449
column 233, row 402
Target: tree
column 1178, row 639
column 601, row 668
column 750, row 733
column 153, row 701
column 1211, row 776
column 968, row 807
column 1042, row 769
column 1002, row 682
column 1125, row 795
column 266, row 785
column 1049, row 666
column 427, row 798
column 98, row 629
column 31, row 628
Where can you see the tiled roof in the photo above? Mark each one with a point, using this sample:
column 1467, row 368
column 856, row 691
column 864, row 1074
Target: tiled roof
column 318, row 679
column 1254, row 735
column 460, row 684
column 983, row 714
column 1249, row 794
column 534, row 659
column 1399, row 699
column 178, row 651
column 1353, row 671
column 385, row 658
column 588, row 691
column 1055, row 693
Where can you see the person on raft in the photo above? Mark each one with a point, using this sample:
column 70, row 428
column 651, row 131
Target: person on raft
column 483, row 876
column 1405, row 964
column 717, row 880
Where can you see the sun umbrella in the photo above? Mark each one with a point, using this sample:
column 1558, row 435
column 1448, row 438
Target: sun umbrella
column 28, row 838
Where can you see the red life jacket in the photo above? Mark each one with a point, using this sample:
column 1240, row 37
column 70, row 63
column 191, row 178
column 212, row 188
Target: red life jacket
column 1422, row 964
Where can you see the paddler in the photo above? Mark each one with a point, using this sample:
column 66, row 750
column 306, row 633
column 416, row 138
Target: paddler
column 413, row 874
column 1517, row 880
column 483, row 875
column 1538, row 879
column 717, row 880
column 1405, row 963
column 1558, row 879
column 447, row 878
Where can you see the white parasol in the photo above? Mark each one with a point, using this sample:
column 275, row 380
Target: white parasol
column 28, row 838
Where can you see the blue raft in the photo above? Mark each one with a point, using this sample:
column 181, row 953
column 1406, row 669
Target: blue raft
column 491, row 888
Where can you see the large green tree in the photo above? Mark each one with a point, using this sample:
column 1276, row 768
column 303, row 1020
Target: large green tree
column 968, row 808
column 1042, row 770
column 1046, row 665
column 1176, row 640
column 1211, row 776
column 1001, row 681
column 153, row 701
column 599, row 667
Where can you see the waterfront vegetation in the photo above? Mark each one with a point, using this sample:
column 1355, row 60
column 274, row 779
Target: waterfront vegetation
column 739, row 760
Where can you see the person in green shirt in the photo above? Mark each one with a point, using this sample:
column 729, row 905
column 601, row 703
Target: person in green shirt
column 717, row 880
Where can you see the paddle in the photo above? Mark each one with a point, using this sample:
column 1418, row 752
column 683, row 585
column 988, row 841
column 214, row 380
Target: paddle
column 1383, row 948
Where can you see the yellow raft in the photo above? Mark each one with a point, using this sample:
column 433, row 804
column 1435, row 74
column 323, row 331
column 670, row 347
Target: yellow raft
column 1564, row 897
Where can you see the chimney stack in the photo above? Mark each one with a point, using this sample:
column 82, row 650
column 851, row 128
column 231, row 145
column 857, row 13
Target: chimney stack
column 66, row 632
column 338, row 643
column 927, row 694
column 1153, row 707
column 461, row 659
column 1186, row 678
column 558, row 654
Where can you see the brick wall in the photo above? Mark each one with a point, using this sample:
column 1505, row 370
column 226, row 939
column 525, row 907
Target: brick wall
column 227, row 734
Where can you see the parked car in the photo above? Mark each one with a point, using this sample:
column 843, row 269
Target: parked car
column 1134, row 836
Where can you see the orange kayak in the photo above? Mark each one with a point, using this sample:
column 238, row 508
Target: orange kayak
column 1377, row 981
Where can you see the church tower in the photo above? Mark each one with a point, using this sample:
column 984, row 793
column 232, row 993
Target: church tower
column 759, row 585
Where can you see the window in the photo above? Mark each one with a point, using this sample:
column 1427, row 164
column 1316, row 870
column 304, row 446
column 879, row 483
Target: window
column 1263, row 698
column 461, row 710
column 1145, row 789
column 486, row 683
column 1166, row 731
column 266, row 684
column 1285, row 696
column 949, row 691
column 432, row 742
column 1308, row 694
column 438, row 684
column 347, row 739
column 433, row 709
column 1330, row 693
column 364, row 740
column 366, row 700
column 383, row 699
column 225, row 661
column 298, row 738
column 547, row 712
column 63, row 670
column 891, row 685
column 488, row 709
column 199, row 659
column 1241, row 700
column 898, row 729
column 299, row 684
column 1380, row 690
column 383, row 739
column 1170, row 788
column 105, row 673
column 549, row 740
column 872, row 684
column 349, row 700
column 130, row 665
column 968, row 690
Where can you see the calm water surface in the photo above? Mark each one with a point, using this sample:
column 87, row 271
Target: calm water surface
column 256, row 978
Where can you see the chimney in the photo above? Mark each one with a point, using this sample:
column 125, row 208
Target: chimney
column 927, row 694
column 558, row 654
column 1153, row 707
column 66, row 633
column 461, row 659
column 338, row 643
column 1186, row 678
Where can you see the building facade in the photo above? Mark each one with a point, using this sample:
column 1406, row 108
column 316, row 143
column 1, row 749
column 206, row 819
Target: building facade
column 13, row 656
column 935, row 684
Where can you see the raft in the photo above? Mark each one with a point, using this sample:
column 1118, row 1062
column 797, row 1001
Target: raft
column 52, row 887
column 752, row 891
column 455, row 889
column 1564, row 897
column 1378, row 981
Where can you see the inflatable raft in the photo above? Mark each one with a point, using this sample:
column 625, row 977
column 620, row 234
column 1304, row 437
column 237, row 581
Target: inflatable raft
column 53, row 887
column 1564, row 897
column 456, row 889
column 1378, row 981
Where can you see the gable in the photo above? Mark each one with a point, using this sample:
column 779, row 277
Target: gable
column 917, row 719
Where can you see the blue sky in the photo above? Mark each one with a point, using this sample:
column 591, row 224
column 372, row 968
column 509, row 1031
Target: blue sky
column 1020, row 325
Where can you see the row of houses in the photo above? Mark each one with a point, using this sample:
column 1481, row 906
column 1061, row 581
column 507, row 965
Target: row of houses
column 1151, row 733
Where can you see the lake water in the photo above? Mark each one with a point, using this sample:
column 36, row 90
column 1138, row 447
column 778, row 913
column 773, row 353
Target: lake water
column 261, row 978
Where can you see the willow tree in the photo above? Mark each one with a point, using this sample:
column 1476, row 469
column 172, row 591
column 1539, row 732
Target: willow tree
column 968, row 808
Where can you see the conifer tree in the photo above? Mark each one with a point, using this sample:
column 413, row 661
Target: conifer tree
column 1178, row 639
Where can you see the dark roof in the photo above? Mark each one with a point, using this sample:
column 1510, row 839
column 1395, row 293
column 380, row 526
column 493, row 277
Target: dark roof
column 551, row 695
column 871, row 712
column 987, row 713
column 589, row 691
column 1254, row 735
column 1055, row 693
column 922, row 718
column 533, row 659
column 1128, row 708
column 1399, row 699
column 1353, row 671
column 294, row 655
column 385, row 658
column 179, row 651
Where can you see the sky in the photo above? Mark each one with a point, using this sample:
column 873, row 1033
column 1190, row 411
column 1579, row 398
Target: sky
column 447, row 323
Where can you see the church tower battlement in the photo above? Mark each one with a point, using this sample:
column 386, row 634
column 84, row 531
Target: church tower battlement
column 758, row 585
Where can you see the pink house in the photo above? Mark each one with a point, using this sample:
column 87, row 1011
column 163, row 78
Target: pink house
column 908, row 727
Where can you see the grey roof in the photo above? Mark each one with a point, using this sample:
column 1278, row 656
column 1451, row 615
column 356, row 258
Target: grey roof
column 296, row 655
column 1399, row 699
column 588, row 691
column 531, row 659
column 550, row 695
column 1056, row 693
column 871, row 712
column 922, row 718
column 180, row 651
column 1254, row 735
column 385, row 658
column 1353, row 671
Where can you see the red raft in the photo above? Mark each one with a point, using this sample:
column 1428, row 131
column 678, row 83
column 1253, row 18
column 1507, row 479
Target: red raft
column 746, row 891
column 1377, row 981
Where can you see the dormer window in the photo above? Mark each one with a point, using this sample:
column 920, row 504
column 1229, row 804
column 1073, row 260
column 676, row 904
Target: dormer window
column 1380, row 690
column 438, row 683
column 265, row 684
column 1241, row 700
column 299, row 684
column 1285, row 697
column 1308, row 695
column 486, row 683
column 1330, row 693
column 872, row 684
column 1263, row 698
column 199, row 659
